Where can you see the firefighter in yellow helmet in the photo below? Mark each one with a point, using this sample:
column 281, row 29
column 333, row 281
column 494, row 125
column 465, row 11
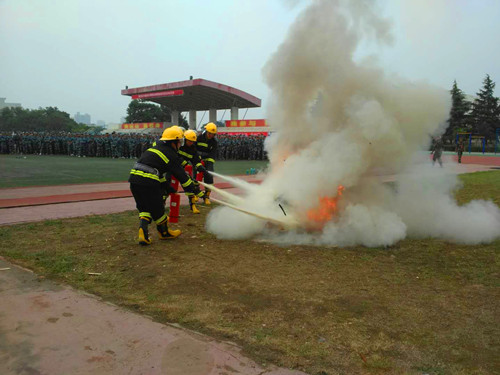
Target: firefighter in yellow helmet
column 166, row 183
column 156, row 165
column 207, row 149
column 189, row 154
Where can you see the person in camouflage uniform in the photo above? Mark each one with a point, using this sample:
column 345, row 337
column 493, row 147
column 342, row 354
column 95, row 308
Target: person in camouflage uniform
column 460, row 150
column 437, row 151
column 107, row 146
column 4, row 143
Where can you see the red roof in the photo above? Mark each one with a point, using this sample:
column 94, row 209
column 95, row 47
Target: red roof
column 196, row 94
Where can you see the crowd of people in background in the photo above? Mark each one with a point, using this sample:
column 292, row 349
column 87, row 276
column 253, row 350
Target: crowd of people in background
column 75, row 144
column 118, row 145
column 241, row 147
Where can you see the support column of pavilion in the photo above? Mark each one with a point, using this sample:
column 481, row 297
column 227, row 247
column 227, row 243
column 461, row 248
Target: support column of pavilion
column 192, row 119
column 175, row 117
column 212, row 115
column 234, row 113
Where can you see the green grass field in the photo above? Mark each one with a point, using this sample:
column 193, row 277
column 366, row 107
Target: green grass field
column 34, row 170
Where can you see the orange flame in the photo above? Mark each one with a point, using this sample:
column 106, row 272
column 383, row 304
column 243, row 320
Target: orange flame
column 326, row 210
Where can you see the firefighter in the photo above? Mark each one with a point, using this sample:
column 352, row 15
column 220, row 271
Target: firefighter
column 190, row 155
column 207, row 149
column 166, row 181
column 154, row 166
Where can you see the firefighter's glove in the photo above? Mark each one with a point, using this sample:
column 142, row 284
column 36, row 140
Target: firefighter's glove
column 170, row 189
column 202, row 169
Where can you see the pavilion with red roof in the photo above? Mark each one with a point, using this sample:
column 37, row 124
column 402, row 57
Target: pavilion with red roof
column 195, row 95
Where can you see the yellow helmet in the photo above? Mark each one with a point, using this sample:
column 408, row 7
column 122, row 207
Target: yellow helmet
column 190, row 135
column 172, row 133
column 179, row 127
column 211, row 128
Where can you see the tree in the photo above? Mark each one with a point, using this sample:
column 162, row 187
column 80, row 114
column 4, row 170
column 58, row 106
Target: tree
column 142, row 111
column 183, row 122
column 458, row 112
column 80, row 128
column 96, row 129
column 485, row 115
column 41, row 119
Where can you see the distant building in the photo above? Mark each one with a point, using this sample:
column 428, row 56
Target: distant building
column 82, row 118
column 7, row 105
column 100, row 123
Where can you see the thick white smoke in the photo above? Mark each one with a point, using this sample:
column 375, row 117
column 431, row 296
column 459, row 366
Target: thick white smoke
column 339, row 122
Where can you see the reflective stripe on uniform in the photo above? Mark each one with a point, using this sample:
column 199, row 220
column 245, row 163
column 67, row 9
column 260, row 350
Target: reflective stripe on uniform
column 210, row 159
column 187, row 183
column 161, row 219
column 199, row 164
column 163, row 179
column 159, row 153
column 145, row 214
column 144, row 174
column 185, row 154
column 183, row 163
column 202, row 144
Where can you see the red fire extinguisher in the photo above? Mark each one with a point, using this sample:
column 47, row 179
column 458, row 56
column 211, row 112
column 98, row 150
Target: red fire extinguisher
column 175, row 203
column 199, row 175
column 189, row 170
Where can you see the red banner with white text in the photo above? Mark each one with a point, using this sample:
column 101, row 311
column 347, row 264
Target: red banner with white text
column 246, row 123
column 243, row 133
column 143, row 125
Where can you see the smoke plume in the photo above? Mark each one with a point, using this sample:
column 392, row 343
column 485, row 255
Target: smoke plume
column 340, row 122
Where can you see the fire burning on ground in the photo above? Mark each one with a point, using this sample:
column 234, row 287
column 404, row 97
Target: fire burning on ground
column 327, row 208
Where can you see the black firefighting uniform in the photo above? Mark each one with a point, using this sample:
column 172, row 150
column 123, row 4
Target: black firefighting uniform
column 189, row 154
column 207, row 149
column 149, row 176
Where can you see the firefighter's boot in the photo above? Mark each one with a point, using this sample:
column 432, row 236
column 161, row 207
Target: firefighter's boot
column 143, row 231
column 206, row 198
column 166, row 234
column 192, row 205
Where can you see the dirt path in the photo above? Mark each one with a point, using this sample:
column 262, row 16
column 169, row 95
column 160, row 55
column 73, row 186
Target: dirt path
column 21, row 205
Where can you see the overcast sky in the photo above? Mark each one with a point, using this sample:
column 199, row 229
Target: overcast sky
column 78, row 54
